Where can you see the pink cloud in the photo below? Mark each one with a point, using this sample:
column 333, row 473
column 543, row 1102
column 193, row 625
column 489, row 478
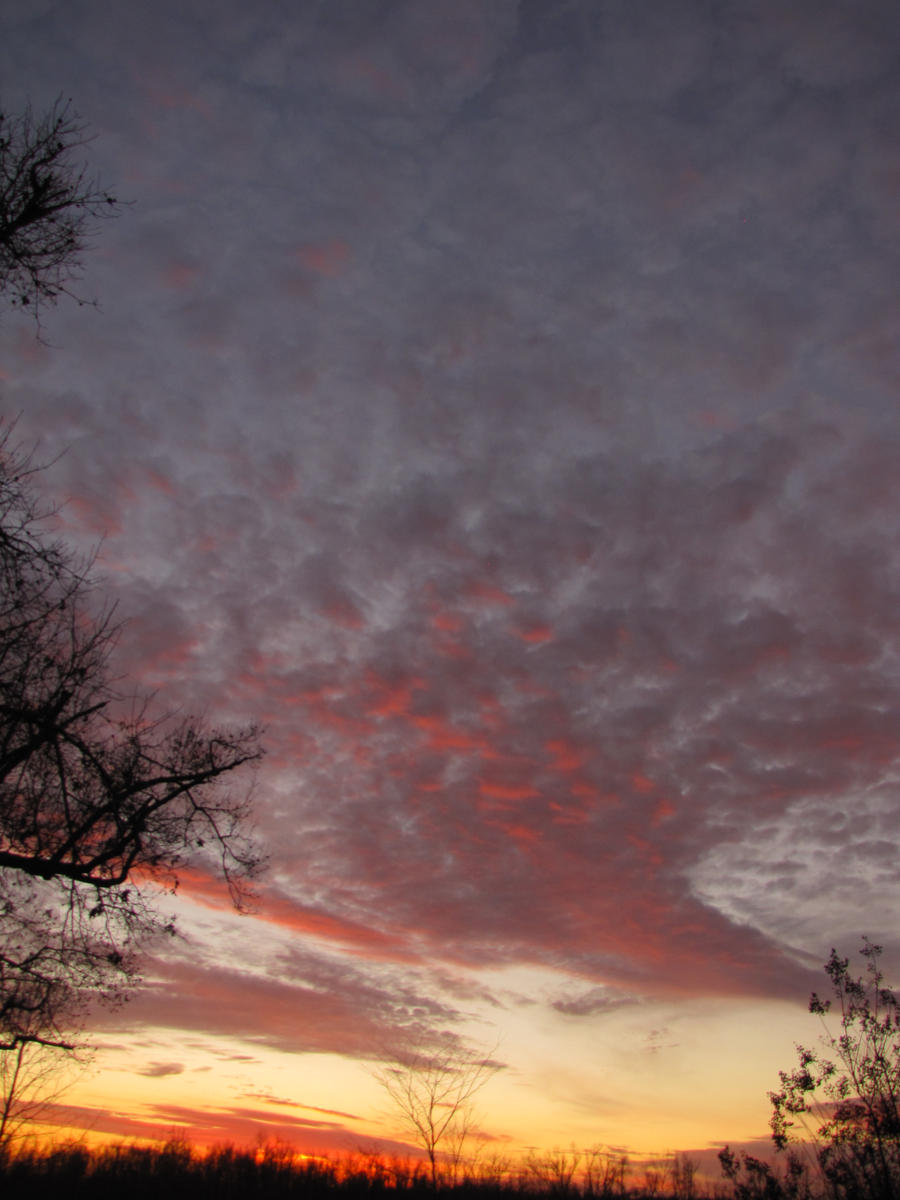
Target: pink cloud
column 447, row 622
column 487, row 593
column 569, row 814
column 211, row 1127
column 535, row 635
column 567, row 756
column 393, row 698
column 642, row 784
column 273, row 908
column 441, row 735
column 317, row 1004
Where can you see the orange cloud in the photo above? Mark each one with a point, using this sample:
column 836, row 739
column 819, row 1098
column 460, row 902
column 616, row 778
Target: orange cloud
column 206, row 1128
column 505, row 791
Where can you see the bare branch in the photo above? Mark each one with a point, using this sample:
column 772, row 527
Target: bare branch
column 49, row 205
column 432, row 1093
column 92, row 803
column 33, row 1077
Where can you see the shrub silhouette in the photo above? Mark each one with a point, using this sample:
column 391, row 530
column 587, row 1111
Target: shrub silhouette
column 844, row 1098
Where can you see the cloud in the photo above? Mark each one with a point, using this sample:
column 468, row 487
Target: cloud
column 590, row 1003
column 282, row 1103
column 157, row 1070
column 306, row 1002
column 499, row 404
column 216, row 1126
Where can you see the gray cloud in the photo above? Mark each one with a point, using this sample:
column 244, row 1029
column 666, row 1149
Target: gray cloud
column 158, row 1070
column 500, row 403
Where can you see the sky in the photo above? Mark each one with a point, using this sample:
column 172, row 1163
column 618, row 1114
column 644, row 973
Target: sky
column 498, row 402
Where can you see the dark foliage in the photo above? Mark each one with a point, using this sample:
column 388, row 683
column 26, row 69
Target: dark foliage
column 755, row 1179
column 846, row 1100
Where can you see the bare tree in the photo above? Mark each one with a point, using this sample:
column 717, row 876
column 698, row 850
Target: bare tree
column 491, row 1169
column 684, row 1176
column 32, row 1079
column 553, row 1172
column 48, row 205
column 98, row 798
column 655, row 1175
column 432, row 1092
column 604, row 1171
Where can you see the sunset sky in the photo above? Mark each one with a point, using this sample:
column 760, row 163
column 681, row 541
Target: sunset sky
column 498, row 401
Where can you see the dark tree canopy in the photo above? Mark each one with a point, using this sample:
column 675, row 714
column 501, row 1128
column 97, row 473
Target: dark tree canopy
column 98, row 798
column 48, row 205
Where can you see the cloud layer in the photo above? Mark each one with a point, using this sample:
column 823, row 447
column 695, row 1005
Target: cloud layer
column 499, row 402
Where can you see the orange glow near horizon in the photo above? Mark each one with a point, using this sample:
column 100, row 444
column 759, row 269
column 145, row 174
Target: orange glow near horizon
column 700, row 1074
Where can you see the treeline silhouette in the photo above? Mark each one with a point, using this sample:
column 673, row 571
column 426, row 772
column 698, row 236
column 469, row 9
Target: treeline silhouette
column 225, row 1172
column 277, row 1171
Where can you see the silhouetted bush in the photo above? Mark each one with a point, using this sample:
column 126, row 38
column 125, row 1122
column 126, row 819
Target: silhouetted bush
column 843, row 1100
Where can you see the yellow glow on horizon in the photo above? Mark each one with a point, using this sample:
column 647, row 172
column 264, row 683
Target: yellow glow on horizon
column 651, row 1077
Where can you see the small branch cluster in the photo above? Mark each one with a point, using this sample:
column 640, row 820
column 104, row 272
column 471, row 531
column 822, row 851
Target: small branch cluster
column 48, row 204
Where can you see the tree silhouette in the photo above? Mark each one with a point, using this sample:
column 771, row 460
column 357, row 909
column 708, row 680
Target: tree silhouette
column 33, row 1078
column 432, row 1093
column 48, row 205
column 554, row 1172
column 99, row 798
column 847, row 1099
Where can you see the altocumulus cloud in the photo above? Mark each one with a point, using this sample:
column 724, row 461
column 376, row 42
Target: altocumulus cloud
column 527, row 464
